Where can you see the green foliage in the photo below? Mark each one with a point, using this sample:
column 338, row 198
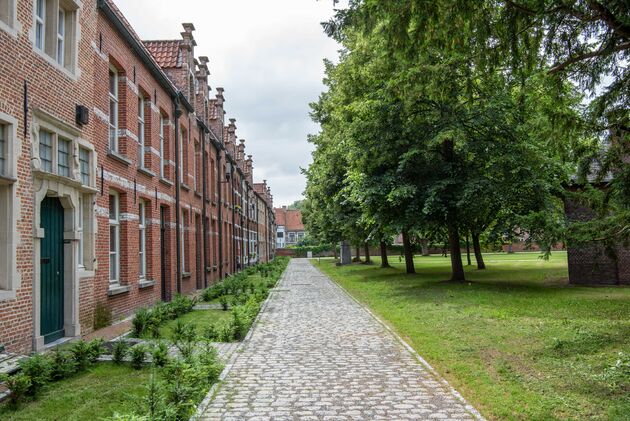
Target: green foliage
column 19, row 384
column 86, row 353
column 159, row 354
column 224, row 300
column 63, row 364
column 38, row 368
column 138, row 355
column 120, row 350
column 148, row 321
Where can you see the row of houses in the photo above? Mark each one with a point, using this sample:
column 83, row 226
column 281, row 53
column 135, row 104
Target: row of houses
column 121, row 181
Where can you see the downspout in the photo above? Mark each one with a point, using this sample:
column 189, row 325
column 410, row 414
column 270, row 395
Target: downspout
column 177, row 114
column 204, row 208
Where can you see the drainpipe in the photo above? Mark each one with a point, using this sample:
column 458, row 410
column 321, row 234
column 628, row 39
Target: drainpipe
column 177, row 114
column 204, row 208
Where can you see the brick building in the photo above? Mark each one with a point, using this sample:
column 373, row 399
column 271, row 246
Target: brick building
column 290, row 229
column 121, row 184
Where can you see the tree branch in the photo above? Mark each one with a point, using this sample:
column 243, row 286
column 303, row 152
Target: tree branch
column 558, row 67
column 610, row 19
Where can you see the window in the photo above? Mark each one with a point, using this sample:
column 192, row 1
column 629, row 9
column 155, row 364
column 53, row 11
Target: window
column 61, row 37
column 114, row 238
column 84, row 163
column 280, row 235
column 142, row 241
column 183, row 236
column 291, row 237
column 55, row 24
column 141, row 102
column 163, row 161
column 45, row 150
column 3, row 149
column 80, row 229
column 7, row 10
column 40, row 10
column 181, row 157
column 113, row 110
column 63, row 157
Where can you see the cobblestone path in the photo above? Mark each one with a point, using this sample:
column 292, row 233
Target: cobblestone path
column 316, row 354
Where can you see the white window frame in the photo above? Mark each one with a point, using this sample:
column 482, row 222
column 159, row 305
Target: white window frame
column 114, row 278
column 141, row 134
column 163, row 161
column 89, row 166
column 142, row 238
column 181, row 156
column 8, row 16
column 40, row 25
column 183, row 240
column 61, row 37
column 80, row 216
column 58, row 167
column 9, row 211
column 113, row 107
column 52, row 147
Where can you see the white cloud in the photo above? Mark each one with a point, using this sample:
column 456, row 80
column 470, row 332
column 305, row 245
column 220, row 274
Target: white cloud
column 267, row 54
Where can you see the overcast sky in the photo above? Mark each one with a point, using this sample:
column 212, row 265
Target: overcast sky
column 268, row 55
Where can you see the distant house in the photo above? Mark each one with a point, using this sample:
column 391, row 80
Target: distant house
column 290, row 229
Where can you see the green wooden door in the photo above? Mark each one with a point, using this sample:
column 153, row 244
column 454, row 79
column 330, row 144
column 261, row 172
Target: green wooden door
column 51, row 267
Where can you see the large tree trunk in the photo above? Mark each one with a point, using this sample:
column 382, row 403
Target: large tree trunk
column 456, row 254
column 367, row 254
column 357, row 257
column 384, row 260
column 408, row 253
column 468, row 251
column 477, row 247
column 424, row 244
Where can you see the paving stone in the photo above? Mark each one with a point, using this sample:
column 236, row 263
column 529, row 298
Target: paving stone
column 315, row 354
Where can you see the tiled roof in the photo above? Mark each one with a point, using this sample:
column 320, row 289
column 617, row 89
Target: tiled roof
column 166, row 53
column 290, row 218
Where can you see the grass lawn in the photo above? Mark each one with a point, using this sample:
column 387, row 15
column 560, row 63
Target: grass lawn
column 198, row 318
column 94, row 394
column 516, row 341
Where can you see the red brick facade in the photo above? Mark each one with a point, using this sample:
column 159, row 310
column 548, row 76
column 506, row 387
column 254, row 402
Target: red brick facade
column 155, row 165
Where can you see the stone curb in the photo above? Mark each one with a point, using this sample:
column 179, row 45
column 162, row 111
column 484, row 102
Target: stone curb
column 201, row 408
column 409, row 349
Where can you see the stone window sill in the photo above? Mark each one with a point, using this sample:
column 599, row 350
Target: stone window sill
column 145, row 283
column 7, row 180
column 118, row 289
column 6, row 295
column 146, row 171
column 118, row 157
column 165, row 181
column 184, row 186
column 186, row 275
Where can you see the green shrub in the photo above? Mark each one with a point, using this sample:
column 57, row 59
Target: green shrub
column 159, row 354
column 95, row 349
column 138, row 356
column 38, row 369
column 120, row 350
column 184, row 332
column 102, row 316
column 210, row 333
column 224, row 301
column 19, row 384
column 182, row 304
column 140, row 321
column 82, row 354
column 63, row 364
column 127, row 417
column 225, row 331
